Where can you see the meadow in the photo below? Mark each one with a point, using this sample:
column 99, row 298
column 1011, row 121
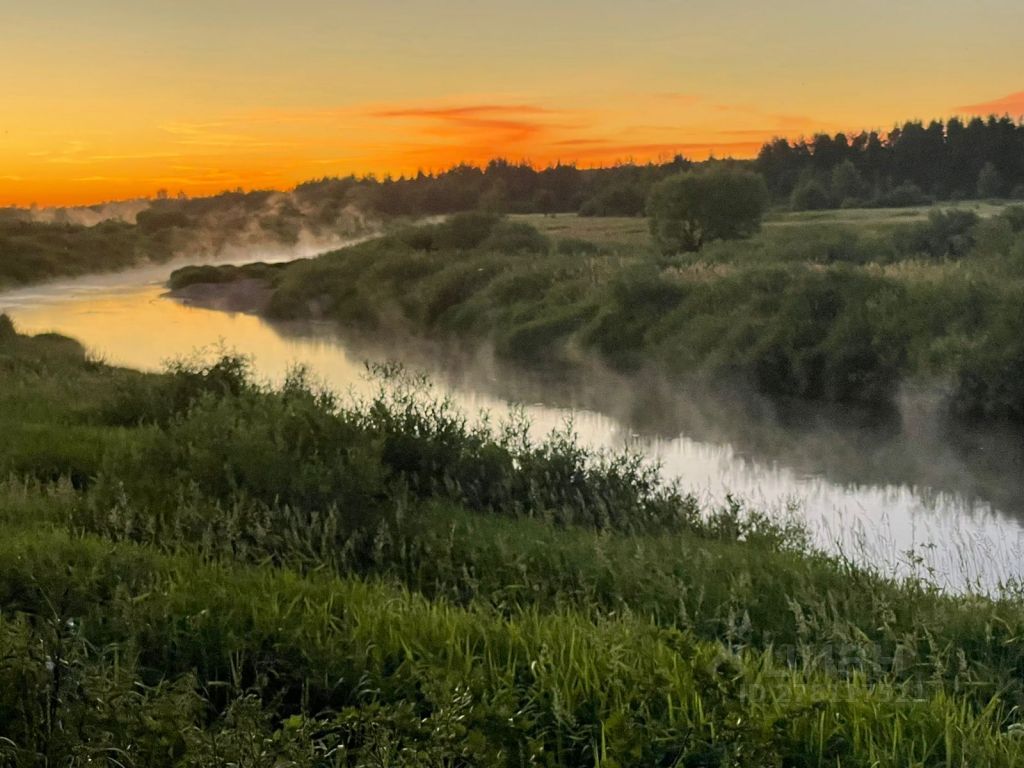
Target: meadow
column 200, row 568
column 841, row 306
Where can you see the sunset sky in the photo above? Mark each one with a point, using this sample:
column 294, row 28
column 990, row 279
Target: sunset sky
column 114, row 98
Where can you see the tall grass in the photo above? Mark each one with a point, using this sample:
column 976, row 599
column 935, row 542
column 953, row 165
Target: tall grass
column 367, row 666
column 277, row 577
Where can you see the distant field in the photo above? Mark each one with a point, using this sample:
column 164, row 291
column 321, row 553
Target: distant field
column 882, row 216
column 632, row 231
column 612, row 230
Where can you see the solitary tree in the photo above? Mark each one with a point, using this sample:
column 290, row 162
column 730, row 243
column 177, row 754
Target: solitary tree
column 690, row 209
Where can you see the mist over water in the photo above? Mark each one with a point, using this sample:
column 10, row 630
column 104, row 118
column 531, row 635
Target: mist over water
column 904, row 491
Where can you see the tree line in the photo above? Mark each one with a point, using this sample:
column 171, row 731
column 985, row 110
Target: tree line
column 913, row 164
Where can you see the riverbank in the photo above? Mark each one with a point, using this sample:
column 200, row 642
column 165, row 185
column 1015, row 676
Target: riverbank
column 841, row 312
column 220, row 556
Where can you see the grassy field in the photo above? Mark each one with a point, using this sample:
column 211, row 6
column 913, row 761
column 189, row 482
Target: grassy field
column 813, row 307
column 875, row 217
column 634, row 232
column 200, row 570
column 610, row 231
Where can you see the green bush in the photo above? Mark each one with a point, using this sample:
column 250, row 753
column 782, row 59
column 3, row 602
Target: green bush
column 990, row 377
column 810, row 195
column 690, row 209
column 516, row 237
column 906, row 195
column 946, row 234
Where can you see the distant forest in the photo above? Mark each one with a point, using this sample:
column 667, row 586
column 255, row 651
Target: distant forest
column 914, row 164
column 911, row 165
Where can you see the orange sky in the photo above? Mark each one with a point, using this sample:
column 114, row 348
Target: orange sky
column 116, row 99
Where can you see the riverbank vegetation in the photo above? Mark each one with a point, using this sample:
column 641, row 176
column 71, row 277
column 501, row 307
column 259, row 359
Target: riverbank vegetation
column 201, row 568
column 40, row 246
column 842, row 310
column 912, row 165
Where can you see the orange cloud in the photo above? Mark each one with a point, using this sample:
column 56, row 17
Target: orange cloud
column 500, row 125
column 464, row 111
column 1008, row 105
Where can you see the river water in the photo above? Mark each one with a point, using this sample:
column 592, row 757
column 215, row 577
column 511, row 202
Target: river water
column 904, row 492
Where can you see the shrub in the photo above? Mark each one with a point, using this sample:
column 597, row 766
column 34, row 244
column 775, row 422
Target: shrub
column 160, row 400
column 461, row 232
column 516, row 237
column 835, row 335
column 690, row 209
column 1014, row 216
column 540, row 338
column 949, row 233
column 990, row 377
column 810, row 195
column 465, row 231
column 906, row 195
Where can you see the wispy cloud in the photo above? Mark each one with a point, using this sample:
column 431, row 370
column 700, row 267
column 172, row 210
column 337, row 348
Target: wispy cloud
column 1007, row 105
column 464, row 111
column 499, row 124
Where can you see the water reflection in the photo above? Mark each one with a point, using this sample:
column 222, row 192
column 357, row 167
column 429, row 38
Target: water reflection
column 874, row 485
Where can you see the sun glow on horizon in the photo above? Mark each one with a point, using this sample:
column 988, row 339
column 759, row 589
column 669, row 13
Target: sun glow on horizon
column 124, row 99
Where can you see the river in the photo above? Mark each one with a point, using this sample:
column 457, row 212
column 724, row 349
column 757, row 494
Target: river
column 904, row 492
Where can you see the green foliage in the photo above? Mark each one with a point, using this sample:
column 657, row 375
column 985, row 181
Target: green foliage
column 990, row 181
column 946, row 234
column 834, row 336
column 627, row 199
column 33, row 252
column 843, row 306
column 810, row 195
column 945, row 159
column 225, row 593
column 316, row 669
column 154, row 220
column 990, row 379
column 464, row 231
column 691, row 209
column 516, row 237
column 1014, row 216
column 906, row 195
column 205, row 274
column 847, row 184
